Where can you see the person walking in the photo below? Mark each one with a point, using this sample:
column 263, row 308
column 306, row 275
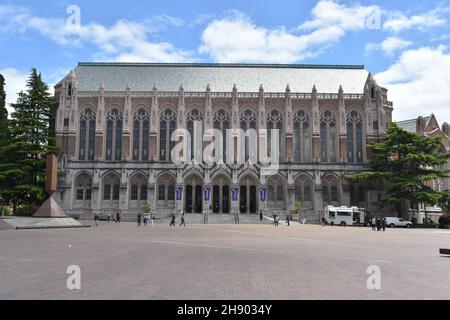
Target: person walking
column 109, row 216
column 372, row 223
column 288, row 220
column 145, row 219
column 260, row 215
column 378, row 224
column 383, row 224
column 277, row 219
column 118, row 217
column 324, row 222
column 152, row 217
column 139, row 219
column 172, row 222
column 96, row 218
column 183, row 222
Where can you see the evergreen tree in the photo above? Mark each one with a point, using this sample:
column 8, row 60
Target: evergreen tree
column 404, row 163
column 4, row 133
column 23, row 175
column 3, row 111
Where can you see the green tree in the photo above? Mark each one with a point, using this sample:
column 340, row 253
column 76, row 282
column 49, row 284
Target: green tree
column 4, row 130
column 22, row 175
column 404, row 163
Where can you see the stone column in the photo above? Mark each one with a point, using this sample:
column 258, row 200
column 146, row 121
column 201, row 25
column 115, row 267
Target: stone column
column 99, row 123
column 342, row 127
column 317, row 198
column 316, row 126
column 127, row 125
column 289, row 152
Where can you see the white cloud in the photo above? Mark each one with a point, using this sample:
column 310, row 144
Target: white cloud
column 419, row 83
column 389, row 45
column 398, row 21
column 123, row 40
column 15, row 81
column 236, row 38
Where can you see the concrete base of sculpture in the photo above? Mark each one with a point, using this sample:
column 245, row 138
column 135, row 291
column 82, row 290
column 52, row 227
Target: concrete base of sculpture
column 50, row 209
column 39, row 223
column 49, row 215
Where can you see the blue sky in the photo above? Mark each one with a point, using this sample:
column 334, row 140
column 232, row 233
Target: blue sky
column 404, row 43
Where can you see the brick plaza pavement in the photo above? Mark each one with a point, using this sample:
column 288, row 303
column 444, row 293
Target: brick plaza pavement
column 122, row 261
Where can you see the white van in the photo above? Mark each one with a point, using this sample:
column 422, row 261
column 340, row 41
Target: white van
column 397, row 222
column 343, row 216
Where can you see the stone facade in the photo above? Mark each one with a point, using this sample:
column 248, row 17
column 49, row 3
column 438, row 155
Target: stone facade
column 115, row 144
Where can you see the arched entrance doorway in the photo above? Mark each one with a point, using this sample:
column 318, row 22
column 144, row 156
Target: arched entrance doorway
column 248, row 195
column 220, row 202
column 194, row 194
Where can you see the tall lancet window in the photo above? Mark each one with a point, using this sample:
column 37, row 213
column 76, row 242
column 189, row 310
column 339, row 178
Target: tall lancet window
column 355, row 137
column 194, row 115
column 87, row 135
column 248, row 121
column 114, row 125
column 168, row 124
column 328, row 136
column 302, row 137
column 275, row 121
column 222, row 123
column 141, row 131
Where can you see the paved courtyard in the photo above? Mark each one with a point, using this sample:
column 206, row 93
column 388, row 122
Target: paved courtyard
column 122, row 261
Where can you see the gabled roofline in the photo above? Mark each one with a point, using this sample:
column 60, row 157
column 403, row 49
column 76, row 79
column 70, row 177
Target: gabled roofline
column 222, row 65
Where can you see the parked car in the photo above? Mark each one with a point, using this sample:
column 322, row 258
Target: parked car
column 398, row 222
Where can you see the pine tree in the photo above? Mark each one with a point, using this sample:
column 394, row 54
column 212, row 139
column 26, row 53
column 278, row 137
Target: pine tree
column 31, row 140
column 3, row 111
column 404, row 163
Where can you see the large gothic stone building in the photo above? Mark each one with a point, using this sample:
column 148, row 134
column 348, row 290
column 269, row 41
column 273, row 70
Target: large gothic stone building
column 114, row 122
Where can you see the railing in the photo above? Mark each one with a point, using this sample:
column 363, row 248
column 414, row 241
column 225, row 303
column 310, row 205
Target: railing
column 245, row 95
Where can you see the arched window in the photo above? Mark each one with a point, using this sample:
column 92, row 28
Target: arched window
column 114, row 127
column 274, row 121
column 141, row 131
column 166, row 192
column 302, row 137
column 83, row 191
column 111, row 191
column 330, row 193
column 303, row 190
column 87, row 135
column 355, row 137
column 328, row 136
column 222, row 123
column 168, row 124
column 276, row 193
column 248, row 121
column 194, row 115
column 138, row 191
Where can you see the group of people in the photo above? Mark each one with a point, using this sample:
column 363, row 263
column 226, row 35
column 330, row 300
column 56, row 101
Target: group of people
column 379, row 224
column 276, row 220
column 173, row 221
column 144, row 219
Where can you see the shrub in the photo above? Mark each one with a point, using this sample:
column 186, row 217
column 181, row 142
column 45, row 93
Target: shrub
column 26, row 210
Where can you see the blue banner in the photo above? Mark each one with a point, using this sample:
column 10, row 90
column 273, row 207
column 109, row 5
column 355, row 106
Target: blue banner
column 179, row 193
column 263, row 194
column 206, row 193
column 234, row 194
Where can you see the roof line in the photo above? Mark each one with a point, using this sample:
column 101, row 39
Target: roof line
column 227, row 65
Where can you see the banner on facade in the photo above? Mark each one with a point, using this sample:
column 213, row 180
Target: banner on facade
column 262, row 194
column 206, row 193
column 179, row 193
column 234, row 194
